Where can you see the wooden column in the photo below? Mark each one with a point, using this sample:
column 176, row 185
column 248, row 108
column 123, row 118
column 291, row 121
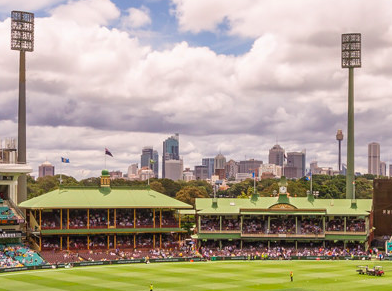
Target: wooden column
column 40, row 220
column 296, row 226
column 134, row 218
column 323, row 224
column 134, row 241
column 179, row 219
column 108, row 241
column 115, row 218
column 61, row 243
column 153, row 241
column 88, row 218
column 242, row 222
column 40, row 243
column 61, row 218
column 108, row 218
column 68, row 243
column 220, row 222
column 345, row 224
column 115, row 241
column 160, row 218
column 68, row 218
column 160, row 240
column 179, row 239
column 88, row 242
column 153, row 217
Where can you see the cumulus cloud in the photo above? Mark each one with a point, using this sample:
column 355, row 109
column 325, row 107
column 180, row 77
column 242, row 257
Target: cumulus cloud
column 136, row 18
column 91, row 84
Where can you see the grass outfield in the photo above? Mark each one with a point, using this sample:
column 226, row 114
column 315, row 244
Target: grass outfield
column 203, row 276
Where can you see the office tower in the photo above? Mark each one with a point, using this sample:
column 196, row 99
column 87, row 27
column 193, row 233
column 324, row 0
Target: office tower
column 132, row 172
column 250, row 166
column 174, row 169
column 209, row 162
column 270, row 170
column 232, row 169
column 148, row 155
column 276, row 155
column 170, row 151
column 339, row 138
column 383, row 169
column 295, row 165
column 374, row 158
column 46, row 169
column 390, row 170
column 201, row 172
column 219, row 166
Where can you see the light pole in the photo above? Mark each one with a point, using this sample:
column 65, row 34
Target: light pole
column 22, row 39
column 351, row 58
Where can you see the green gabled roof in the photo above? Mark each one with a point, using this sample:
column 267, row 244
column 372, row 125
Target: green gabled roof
column 95, row 197
column 233, row 206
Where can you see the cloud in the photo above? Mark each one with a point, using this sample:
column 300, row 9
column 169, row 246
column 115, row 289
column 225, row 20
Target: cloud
column 136, row 18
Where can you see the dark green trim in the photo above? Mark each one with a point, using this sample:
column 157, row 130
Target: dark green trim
column 109, row 231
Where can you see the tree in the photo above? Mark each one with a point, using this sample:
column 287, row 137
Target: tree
column 188, row 194
column 157, row 186
column 171, row 187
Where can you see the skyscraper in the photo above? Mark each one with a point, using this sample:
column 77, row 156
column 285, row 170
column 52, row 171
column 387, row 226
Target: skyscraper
column 170, row 151
column 46, row 169
column 147, row 155
column 174, row 169
column 383, row 169
column 232, row 168
column 296, row 163
column 374, row 158
column 219, row 166
column 209, row 163
column 276, row 155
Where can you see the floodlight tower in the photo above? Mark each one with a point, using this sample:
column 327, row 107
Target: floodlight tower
column 22, row 40
column 351, row 58
column 339, row 138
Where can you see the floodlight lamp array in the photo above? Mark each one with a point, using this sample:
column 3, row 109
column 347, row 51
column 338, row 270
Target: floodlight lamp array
column 22, row 31
column 351, row 50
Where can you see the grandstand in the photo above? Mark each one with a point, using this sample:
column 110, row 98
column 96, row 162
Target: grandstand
column 291, row 221
column 103, row 218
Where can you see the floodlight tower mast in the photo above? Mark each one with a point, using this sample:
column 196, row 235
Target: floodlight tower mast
column 339, row 138
column 351, row 58
column 22, row 39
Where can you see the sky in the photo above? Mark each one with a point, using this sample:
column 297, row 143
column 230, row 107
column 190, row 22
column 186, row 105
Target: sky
column 234, row 77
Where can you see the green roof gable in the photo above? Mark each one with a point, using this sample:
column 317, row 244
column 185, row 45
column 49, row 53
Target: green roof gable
column 94, row 197
column 262, row 205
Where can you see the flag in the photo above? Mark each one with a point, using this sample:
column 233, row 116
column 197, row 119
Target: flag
column 152, row 162
column 64, row 160
column 107, row 152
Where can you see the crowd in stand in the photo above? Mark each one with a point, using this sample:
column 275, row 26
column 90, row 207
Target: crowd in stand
column 282, row 226
column 311, row 226
column 210, row 224
column 18, row 256
column 253, row 226
column 99, row 219
column 231, row 224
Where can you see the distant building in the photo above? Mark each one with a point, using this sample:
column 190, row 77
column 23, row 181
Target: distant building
column 115, row 175
column 201, row 173
column 374, row 158
column 145, row 173
column 242, row 177
column 174, row 169
column 276, row 155
column 383, row 169
column 390, row 170
column 232, row 168
column 170, row 152
column 296, row 164
column 219, row 166
column 150, row 158
column 274, row 170
column 250, row 166
column 209, row 162
column 46, row 169
column 316, row 170
column 188, row 175
column 344, row 169
column 133, row 172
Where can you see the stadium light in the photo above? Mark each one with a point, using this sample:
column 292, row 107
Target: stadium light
column 22, row 39
column 351, row 58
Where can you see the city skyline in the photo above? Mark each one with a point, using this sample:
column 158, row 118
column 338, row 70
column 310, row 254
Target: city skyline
column 233, row 81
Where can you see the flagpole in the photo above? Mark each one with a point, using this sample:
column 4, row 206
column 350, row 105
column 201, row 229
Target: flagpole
column 104, row 153
column 61, row 170
column 148, row 173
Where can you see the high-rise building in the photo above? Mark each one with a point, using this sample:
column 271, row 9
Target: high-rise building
column 219, row 166
column 383, row 169
column 232, row 169
column 274, row 170
column 201, row 172
column 133, row 172
column 148, row 155
column 296, row 164
column 209, row 162
column 390, row 170
column 170, row 152
column 174, row 169
column 250, row 166
column 188, row 175
column 276, row 155
column 374, row 158
column 46, row 169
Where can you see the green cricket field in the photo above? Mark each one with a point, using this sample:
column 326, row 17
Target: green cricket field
column 203, row 276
